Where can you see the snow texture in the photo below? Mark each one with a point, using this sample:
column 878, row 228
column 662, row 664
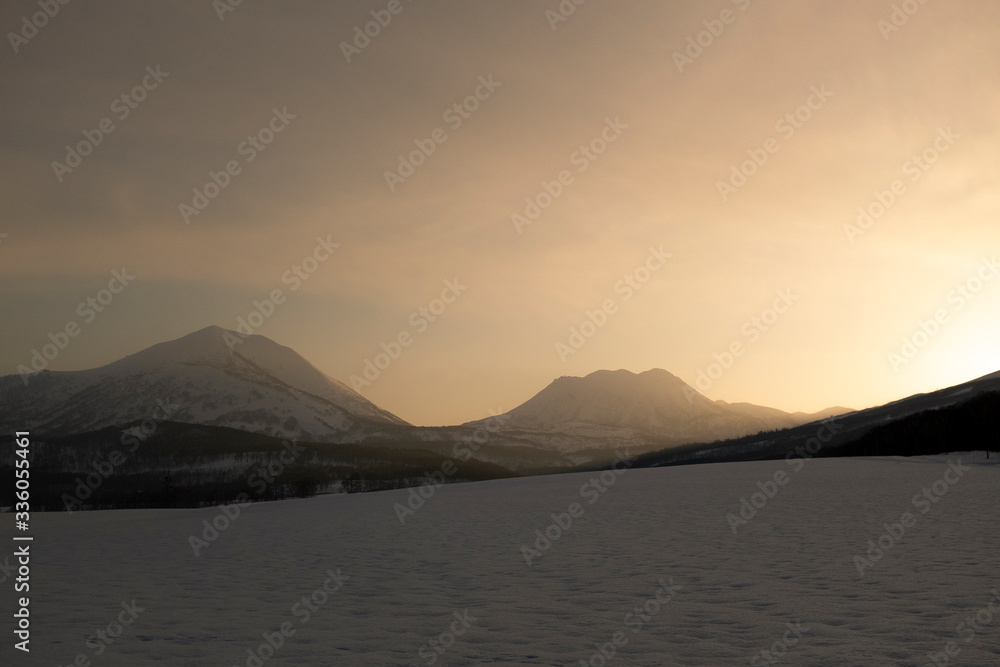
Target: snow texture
column 212, row 376
column 461, row 553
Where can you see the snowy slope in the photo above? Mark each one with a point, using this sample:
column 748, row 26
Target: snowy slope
column 461, row 552
column 257, row 386
column 635, row 407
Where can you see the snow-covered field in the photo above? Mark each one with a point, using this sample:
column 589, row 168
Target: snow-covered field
column 651, row 570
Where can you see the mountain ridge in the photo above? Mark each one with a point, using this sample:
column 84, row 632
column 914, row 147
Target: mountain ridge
column 254, row 384
column 218, row 377
column 654, row 403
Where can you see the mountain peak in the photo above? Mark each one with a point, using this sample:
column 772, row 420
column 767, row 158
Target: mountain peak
column 650, row 401
column 654, row 380
column 655, row 402
column 205, row 346
column 623, row 375
column 217, row 377
column 253, row 355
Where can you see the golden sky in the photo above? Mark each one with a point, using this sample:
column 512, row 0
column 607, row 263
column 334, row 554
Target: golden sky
column 631, row 125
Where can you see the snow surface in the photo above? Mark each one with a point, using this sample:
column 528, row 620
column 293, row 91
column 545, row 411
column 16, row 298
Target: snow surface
column 461, row 552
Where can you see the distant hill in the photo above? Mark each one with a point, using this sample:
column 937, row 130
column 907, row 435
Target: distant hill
column 212, row 377
column 961, row 418
column 621, row 407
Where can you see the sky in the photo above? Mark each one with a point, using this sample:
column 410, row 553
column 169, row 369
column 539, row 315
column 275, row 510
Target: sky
column 791, row 204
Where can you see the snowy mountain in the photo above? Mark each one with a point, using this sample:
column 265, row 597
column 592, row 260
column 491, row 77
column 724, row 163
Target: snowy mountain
column 213, row 408
column 211, row 377
column 939, row 421
column 636, row 408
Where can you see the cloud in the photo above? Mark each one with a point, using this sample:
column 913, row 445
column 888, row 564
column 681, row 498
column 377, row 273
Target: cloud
column 325, row 174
